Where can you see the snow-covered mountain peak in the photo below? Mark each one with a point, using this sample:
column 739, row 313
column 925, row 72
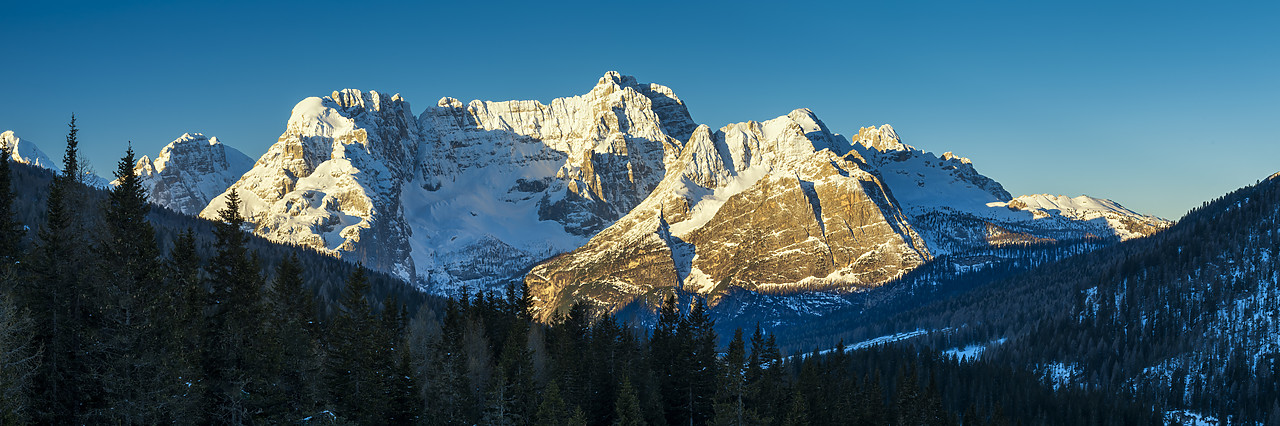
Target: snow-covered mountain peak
column 883, row 139
column 190, row 171
column 26, row 152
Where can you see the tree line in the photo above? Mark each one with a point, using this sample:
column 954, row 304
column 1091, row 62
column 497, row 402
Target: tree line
column 107, row 318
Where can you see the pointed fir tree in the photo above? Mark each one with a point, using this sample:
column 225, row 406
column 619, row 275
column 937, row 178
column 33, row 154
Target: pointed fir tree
column 62, row 304
column 730, row 408
column 233, row 367
column 9, row 246
column 354, row 383
column 627, row 408
column 184, row 297
column 552, row 411
column 294, row 348
column 131, row 341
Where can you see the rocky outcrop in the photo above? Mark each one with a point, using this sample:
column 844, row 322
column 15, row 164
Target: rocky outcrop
column 776, row 206
column 190, row 171
column 332, row 181
column 463, row 194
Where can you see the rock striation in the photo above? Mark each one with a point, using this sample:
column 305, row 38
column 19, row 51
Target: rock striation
column 190, row 171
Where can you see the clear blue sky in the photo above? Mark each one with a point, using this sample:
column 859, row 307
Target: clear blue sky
column 1158, row 105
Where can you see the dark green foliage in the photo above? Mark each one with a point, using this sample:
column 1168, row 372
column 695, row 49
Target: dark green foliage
column 62, row 301
column 130, row 339
column 355, row 379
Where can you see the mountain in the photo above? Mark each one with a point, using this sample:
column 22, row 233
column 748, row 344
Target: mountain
column 763, row 206
column 786, row 206
column 190, row 171
column 1187, row 316
column 26, row 152
column 617, row 195
column 464, row 194
column 956, row 209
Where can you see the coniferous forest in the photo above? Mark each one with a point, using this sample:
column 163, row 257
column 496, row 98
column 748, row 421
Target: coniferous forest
column 111, row 312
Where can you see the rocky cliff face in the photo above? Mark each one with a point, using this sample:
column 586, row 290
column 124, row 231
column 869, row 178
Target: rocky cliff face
column 191, row 171
column 464, row 194
column 617, row 195
column 332, row 181
column 774, row 206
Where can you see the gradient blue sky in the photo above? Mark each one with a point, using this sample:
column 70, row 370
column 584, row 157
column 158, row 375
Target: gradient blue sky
column 1158, row 105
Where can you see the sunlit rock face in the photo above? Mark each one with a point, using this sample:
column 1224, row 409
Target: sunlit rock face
column 190, row 171
column 781, row 205
column 616, row 195
column 463, row 194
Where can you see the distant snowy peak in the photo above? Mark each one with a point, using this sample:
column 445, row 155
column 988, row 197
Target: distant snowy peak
column 883, row 139
column 1083, row 203
column 1123, row 222
column 190, row 171
column 26, row 152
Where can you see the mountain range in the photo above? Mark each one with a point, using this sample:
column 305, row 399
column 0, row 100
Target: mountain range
column 613, row 196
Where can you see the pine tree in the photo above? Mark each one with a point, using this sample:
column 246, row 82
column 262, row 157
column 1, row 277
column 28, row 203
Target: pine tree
column 703, row 369
column 184, row 298
column 19, row 356
column 131, row 341
column 19, row 359
column 62, row 303
column 8, row 226
column 233, row 367
column 552, row 411
column 294, row 349
column 797, row 411
column 355, row 386
column 627, row 408
column 730, row 408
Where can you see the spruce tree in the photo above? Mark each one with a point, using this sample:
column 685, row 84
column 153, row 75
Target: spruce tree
column 8, row 225
column 293, row 348
column 627, row 408
column 233, row 366
column 19, row 359
column 131, row 340
column 62, row 303
column 552, row 411
column 184, row 297
column 354, row 383
column 730, row 408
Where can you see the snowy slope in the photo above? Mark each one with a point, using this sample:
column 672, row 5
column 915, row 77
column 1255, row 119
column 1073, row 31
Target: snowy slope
column 190, row 171
column 958, row 209
column 26, row 152
column 464, row 194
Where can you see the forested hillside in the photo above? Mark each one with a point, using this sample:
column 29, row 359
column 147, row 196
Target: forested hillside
column 110, row 315
column 1189, row 316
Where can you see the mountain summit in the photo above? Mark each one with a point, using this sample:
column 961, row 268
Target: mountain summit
column 618, row 195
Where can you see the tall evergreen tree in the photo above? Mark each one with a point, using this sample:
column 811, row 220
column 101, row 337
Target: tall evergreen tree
column 354, row 383
column 184, row 299
column 62, row 303
column 131, row 344
column 8, row 225
column 293, row 354
column 627, row 409
column 232, row 364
